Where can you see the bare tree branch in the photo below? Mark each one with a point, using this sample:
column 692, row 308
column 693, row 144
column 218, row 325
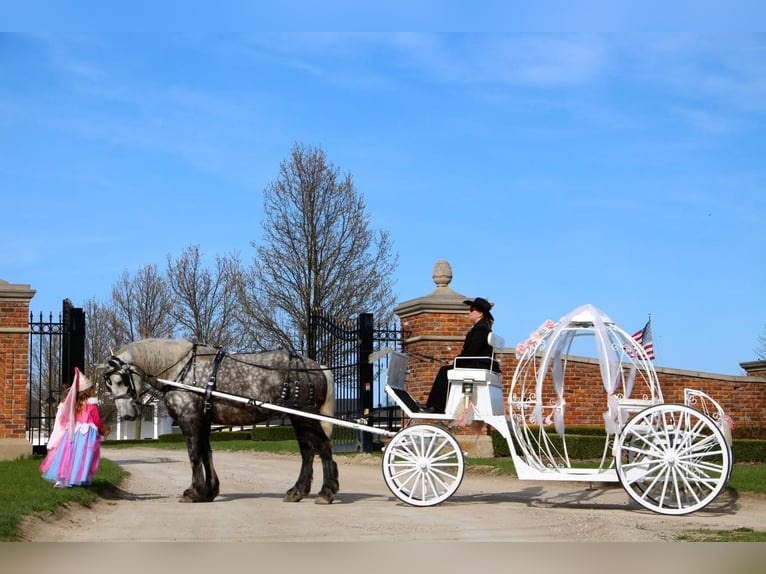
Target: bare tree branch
column 143, row 305
column 205, row 300
column 318, row 252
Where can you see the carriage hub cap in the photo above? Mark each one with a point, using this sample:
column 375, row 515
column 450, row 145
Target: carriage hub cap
column 671, row 458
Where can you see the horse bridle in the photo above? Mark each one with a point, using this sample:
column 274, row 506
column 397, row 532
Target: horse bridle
column 126, row 372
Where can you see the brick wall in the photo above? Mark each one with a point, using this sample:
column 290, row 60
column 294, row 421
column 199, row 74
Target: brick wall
column 437, row 323
column 743, row 398
column 14, row 358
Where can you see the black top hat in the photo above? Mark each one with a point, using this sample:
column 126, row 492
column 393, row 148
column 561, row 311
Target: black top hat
column 482, row 305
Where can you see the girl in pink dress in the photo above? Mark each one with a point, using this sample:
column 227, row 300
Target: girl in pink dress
column 74, row 447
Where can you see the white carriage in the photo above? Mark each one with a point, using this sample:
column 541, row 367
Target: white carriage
column 670, row 458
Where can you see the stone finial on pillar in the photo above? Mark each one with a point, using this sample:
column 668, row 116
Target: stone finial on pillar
column 442, row 274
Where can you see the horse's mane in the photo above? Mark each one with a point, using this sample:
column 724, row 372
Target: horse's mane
column 154, row 355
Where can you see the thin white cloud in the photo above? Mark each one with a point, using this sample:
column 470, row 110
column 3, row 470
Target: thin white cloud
column 709, row 122
column 731, row 68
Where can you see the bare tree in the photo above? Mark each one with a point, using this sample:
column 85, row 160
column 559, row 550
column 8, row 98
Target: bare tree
column 102, row 334
column 205, row 300
column 101, row 338
column 143, row 305
column 318, row 252
column 760, row 350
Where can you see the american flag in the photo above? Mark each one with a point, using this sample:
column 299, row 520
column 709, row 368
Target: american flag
column 645, row 338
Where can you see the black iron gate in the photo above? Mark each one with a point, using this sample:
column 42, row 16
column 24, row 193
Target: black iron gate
column 345, row 347
column 55, row 349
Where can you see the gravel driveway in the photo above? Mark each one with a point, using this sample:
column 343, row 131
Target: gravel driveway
column 250, row 508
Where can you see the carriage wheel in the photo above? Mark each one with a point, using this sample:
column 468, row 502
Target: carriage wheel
column 672, row 459
column 423, row 465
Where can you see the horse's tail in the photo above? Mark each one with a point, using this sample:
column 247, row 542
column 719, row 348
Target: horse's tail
column 328, row 406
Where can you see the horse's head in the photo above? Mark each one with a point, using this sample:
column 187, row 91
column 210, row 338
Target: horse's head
column 124, row 382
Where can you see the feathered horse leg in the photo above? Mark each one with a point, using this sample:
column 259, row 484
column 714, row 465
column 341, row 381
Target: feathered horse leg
column 205, row 485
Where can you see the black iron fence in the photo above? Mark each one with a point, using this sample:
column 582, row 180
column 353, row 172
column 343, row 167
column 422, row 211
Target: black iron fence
column 345, row 347
column 56, row 347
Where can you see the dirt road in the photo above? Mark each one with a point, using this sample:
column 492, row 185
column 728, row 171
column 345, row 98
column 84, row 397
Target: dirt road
column 250, row 508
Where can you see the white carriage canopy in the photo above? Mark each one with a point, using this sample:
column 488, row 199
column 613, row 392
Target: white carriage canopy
column 620, row 360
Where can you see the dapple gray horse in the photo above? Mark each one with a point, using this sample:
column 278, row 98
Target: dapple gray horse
column 278, row 377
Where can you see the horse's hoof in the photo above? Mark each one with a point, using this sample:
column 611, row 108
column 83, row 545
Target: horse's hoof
column 190, row 495
column 322, row 500
column 293, row 496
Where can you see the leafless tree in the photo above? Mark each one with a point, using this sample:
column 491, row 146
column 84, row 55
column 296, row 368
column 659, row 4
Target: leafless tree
column 101, row 339
column 205, row 300
column 761, row 349
column 143, row 305
column 317, row 252
column 102, row 334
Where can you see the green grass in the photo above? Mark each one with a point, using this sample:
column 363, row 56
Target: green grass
column 748, row 477
column 24, row 492
column 736, row 535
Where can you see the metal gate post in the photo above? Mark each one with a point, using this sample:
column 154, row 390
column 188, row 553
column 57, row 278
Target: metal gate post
column 365, row 374
column 73, row 343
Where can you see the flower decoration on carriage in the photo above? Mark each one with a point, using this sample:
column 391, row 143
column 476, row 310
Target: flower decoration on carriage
column 535, row 338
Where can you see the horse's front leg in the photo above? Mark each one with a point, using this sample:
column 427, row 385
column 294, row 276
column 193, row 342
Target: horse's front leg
column 204, row 485
column 195, row 492
column 212, row 484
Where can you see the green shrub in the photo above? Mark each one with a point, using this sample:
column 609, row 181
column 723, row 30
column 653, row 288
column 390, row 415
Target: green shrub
column 231, row 435
column 746, row 450
column 582, row 446
column 172, row 437
column 272, row 433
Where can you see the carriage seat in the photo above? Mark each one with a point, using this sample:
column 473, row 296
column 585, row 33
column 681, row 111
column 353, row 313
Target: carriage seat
column 475, row 374
column 474, row 385
column 490, row 399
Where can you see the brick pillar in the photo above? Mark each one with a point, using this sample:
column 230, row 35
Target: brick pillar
column 436, row 325
column 14, row 366
column 755, row 368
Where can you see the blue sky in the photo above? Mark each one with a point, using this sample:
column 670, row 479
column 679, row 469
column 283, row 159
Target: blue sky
column 550, row 170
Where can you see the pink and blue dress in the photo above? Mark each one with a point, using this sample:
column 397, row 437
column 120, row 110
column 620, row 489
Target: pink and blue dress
column 73, row 456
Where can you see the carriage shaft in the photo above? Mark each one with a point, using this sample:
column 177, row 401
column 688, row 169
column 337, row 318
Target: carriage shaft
column 280, row 408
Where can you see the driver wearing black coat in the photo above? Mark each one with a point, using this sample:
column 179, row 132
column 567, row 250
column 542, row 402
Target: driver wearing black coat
column 475, row 345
